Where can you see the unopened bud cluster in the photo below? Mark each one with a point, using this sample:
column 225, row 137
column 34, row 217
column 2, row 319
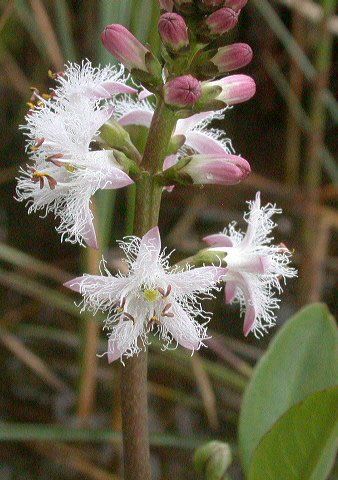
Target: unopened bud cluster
column 188, row 30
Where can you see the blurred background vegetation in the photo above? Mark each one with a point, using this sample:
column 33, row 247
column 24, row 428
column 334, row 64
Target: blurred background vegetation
column 50, row 374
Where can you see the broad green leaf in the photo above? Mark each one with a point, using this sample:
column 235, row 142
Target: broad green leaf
column 301, row 360
column 302, row 444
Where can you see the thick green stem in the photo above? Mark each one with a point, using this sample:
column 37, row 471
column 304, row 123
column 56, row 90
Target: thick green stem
column 134, row 393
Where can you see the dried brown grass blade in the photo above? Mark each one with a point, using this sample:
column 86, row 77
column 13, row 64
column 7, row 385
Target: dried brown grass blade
column 206, row 389
column 7, row 11
column 73, row 458
column 48, row 33
column 14, row 73
column 31, row 360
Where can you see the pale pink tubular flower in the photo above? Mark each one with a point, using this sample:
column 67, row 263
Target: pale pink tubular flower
column 182, row 91
column 222, row 169
column 151, row 297
column 232, row 57
column 235, row 88
column 254, row 267
column 121, row 43
column 173, row 31
column 221, row 21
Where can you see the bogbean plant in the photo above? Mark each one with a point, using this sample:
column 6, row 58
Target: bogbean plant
column 78, row 143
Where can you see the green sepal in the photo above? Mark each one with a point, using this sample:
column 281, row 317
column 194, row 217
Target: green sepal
column 128, row 165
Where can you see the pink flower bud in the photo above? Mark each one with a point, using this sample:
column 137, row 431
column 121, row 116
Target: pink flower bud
column 173, row 31
column 125, row 47
column 167, row 5
column 221, row 21
column 216, row 169
column 182, row 91
column 232, row 57
column 235, row 4
column 235, row 88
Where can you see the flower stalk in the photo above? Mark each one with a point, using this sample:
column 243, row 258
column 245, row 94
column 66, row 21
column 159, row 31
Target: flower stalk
column 134, row 393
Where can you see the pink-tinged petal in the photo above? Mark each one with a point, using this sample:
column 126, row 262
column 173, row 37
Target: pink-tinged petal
column 182, row 328
column 218, row 240
column 249, row 319
column 144, row 93
column 137, row 117
column 243, row 283
column 115, row 178
column 150, row 246
column 195, row 280
column 89, row 235
column 230, row 291
column 186, row 124
column 204, row 144
column 108, row 89
column 74, row 284
column 256, row 264
column 124, row 335
column 170, row 161
column 252, row 225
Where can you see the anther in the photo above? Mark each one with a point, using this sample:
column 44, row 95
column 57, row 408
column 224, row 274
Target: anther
column 129, row 317
column 40, row 177
column 38, row 143
column 53, row 159
column 54, row 75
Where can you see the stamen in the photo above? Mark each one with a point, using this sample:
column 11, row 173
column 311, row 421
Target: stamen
column 53, row 159
column 129, row 317
column 165, row 312
column 38, row 143
column 154, row 320
column 54, row 75
column 166, row 293
column 41, row 176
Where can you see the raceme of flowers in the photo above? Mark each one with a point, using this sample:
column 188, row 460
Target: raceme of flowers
column 78, row 142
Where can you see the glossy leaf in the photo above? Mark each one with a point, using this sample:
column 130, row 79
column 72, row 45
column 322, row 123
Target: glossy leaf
column 302, row 444
column 299, row 361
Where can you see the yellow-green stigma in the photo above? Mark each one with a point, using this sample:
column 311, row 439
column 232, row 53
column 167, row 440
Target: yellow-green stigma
column 151, row 295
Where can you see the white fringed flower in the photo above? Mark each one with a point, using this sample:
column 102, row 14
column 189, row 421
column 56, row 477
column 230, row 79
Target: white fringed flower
column 93, row 82
column 151, row 297
column 254, row 266
column 66, row 172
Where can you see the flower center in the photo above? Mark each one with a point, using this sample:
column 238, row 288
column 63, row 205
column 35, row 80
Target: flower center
column 151, row 295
